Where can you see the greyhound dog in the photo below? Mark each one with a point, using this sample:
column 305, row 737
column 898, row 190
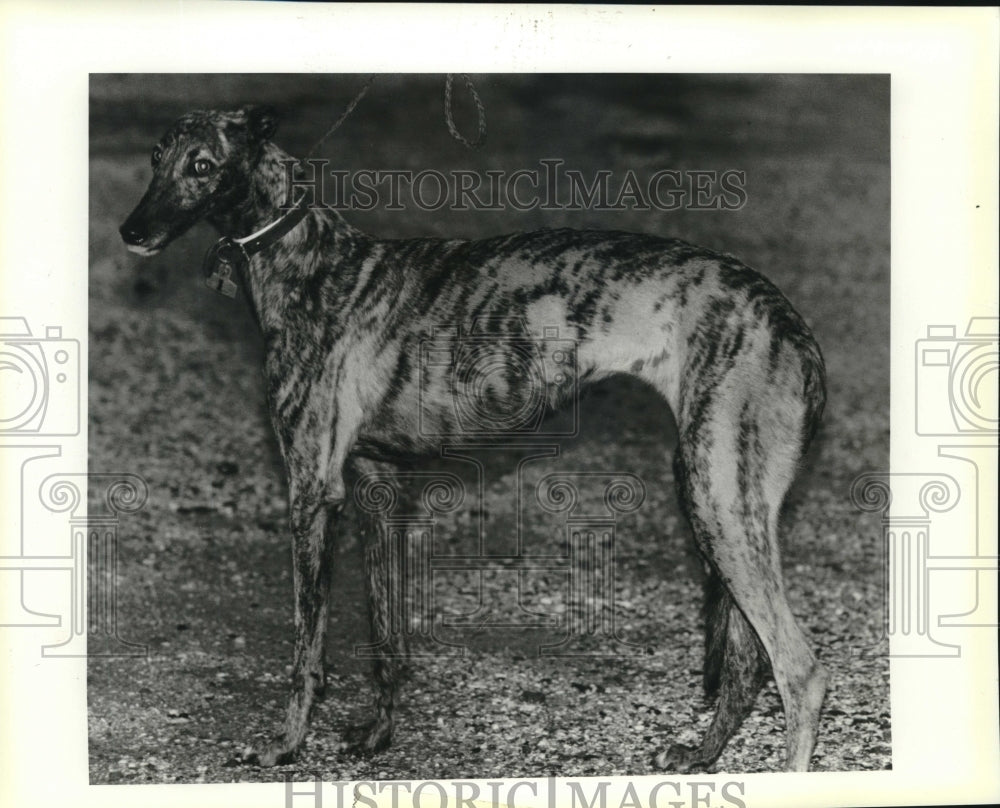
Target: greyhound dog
column 343, row 315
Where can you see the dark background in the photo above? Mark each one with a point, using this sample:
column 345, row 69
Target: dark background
column 176, row 396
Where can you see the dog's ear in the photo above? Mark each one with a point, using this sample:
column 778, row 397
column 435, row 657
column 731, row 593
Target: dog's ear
column 262, row 121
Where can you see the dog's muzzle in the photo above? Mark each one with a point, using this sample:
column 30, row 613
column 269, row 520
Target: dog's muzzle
column 136, row 237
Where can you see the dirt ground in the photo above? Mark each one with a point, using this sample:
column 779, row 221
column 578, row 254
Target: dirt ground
column 176, row 396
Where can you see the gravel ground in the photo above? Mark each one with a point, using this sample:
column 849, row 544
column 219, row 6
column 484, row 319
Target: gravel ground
column 205, row 578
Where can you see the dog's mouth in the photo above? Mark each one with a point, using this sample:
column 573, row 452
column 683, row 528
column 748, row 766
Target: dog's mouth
column 142, row 238
column 142, row 249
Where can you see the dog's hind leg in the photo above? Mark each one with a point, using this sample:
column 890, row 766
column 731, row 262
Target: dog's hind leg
column 735, row 462
column 388, row 646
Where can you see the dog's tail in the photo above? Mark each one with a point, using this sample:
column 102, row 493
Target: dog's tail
column 814, row 372
column 718, row 603
column 736, row 649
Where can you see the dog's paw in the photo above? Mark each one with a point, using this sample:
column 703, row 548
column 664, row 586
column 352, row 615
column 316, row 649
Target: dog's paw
column 680, row 759
column 367, row 739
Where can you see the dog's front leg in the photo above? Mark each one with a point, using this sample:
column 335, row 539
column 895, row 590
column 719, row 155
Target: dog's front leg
column 314, row 460
column 313, row 525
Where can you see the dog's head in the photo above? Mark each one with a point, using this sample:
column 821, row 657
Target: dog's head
column 201, row 166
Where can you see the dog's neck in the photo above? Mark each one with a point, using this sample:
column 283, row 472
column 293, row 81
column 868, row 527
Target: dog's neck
column 276, row 277
column 264, row 198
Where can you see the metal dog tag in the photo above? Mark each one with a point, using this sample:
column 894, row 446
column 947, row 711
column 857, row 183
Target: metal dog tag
column 220, row 261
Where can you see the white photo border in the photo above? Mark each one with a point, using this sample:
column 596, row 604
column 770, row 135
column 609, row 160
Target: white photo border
column 943, row 64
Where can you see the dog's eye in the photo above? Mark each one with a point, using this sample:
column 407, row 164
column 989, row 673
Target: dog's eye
column 202, row 167
column 156, row 156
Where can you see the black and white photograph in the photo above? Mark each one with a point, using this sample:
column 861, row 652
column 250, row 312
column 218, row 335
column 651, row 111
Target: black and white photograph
column 597, row 326
column 529, row 435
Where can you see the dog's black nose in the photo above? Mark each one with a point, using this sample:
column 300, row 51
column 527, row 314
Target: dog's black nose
column 132, row 233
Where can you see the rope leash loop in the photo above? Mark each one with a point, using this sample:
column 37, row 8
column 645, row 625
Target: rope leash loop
column 480, row 111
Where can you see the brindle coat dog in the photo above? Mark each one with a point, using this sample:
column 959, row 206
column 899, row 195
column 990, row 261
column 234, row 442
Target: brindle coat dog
column 343, row 315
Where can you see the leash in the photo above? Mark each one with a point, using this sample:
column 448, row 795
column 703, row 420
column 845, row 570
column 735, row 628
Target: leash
column 343, row 116
column 448, row 113
column 228, row 254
